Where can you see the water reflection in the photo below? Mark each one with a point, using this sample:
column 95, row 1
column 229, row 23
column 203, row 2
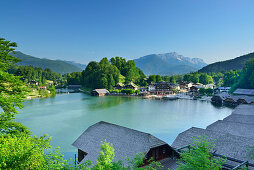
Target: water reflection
column 108, row 102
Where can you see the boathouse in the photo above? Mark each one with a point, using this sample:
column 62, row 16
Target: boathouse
column 248, row 92
column 126, row 142
column 99, row 92
column 233, row 136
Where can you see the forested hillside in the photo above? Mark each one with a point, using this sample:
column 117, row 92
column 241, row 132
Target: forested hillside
column 56, row 66
column 233, row 64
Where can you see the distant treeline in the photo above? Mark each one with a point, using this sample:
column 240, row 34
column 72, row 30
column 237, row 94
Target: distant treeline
column 29, row 73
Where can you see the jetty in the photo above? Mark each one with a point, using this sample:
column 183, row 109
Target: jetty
column 233, row 136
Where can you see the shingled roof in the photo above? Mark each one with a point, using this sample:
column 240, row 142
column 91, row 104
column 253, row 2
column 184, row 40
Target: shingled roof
column 101, row 91
column 244, row 92
column 126, row 141
column 234, row 134
column 226, row 144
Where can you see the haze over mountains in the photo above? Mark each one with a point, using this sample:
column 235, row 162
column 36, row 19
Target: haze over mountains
column 168, row 64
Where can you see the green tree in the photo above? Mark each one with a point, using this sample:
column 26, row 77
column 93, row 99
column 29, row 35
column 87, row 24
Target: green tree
column 172, row 79
column 230, row 78
column 105, row 159
column 12, row 90
column 195, row 78
column 199, row 156
column 158, row 78
column 246, row 79
column 151, row 79
column 205, row 79
column 202, row 91
column 23, row 152
column 187, row 77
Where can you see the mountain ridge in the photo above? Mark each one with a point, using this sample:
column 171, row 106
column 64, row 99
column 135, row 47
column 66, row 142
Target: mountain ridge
column 55, row 65
column 168, row 64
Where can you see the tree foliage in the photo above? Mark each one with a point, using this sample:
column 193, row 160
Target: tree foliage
column 199, row 156
column 29, row 73
column 246, row 79
column 105, row 74
column 12, row 90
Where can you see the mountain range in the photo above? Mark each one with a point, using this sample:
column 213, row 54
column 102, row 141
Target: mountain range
column 233, row 64
column 55, row 65
column 168, row 64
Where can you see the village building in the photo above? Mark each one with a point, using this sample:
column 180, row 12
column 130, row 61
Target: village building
column 142, row 89
column 198, row 85
column 119, row 86
column 100, row 92
column 209, row 86
column 126, row 142
column 33, row 82
column 221, row 90
column 151, row 87
column 131, row 86
column 248, row 92
column 185, row 86
column 194, row 90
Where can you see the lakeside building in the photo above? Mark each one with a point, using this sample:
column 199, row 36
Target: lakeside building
column 185, row 86
column 100, row 92
column 151, row 87
column 126, row 142
column 33, row 82
column 233, row 136
column 194, row 90
column 131, row 86
column 164, row 88
column 221, row 90
column 119, row 86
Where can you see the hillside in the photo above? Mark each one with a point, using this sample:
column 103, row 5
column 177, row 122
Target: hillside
column 168, row 64
column 56, row 66
column 233, row 64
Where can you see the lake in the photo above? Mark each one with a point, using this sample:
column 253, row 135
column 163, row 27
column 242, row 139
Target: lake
column 66, row 116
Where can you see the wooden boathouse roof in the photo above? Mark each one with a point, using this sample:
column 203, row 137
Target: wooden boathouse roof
column 233, row 135
column 249, row 92
column 126, row 141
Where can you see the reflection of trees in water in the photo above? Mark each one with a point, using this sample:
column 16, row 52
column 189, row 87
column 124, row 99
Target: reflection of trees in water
column 108, row 101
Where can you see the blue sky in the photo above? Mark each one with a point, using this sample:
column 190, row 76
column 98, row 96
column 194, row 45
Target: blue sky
column 85, row 30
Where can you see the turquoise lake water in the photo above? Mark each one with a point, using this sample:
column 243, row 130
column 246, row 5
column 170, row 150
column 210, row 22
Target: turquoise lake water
column 66, row 116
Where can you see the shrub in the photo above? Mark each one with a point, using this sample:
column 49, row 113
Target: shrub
column 199, row 156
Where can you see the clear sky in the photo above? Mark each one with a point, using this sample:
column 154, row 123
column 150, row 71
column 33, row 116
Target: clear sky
column 85, row 30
